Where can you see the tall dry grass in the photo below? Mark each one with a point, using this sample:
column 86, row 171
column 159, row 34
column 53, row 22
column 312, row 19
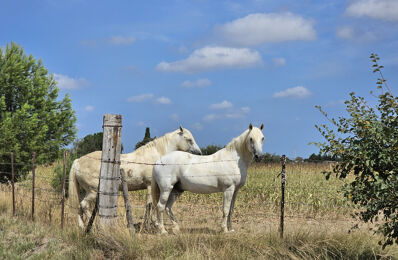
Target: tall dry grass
column 317, row 224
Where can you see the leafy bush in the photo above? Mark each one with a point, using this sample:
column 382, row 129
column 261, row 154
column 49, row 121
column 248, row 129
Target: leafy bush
column 367, row 144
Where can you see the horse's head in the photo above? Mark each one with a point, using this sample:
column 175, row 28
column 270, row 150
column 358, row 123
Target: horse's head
column 255, row 140
column 184, row 141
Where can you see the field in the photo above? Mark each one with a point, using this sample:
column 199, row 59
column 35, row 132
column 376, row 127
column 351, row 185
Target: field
column 317, row 225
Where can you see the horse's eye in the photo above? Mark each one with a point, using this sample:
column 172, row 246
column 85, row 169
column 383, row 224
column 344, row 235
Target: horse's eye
column 190, row 141
column 251, row 139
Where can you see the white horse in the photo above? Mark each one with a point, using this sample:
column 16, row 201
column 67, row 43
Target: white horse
column 84, row 173
column 225, row 171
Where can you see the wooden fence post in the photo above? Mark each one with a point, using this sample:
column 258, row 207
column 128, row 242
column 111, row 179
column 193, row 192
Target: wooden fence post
column 110, row 169
column 33, row 185
column 63, row 192
column 12, row 184
column 129, row 216
column 283, row 182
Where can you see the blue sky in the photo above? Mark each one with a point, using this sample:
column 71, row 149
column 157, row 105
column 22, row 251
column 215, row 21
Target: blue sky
column 211, row 66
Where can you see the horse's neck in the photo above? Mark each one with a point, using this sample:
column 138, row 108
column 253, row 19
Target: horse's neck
column 159, row 146
column 239, row 146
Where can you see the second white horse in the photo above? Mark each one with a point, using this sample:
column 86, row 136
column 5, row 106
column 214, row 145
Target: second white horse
column 225, row 171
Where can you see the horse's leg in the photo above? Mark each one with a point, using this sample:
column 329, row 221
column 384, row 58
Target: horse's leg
column 80, row 217
column 164, row 196
column 231, row 210
column 227, row 198
column 172, row 198
column 86, row 202
column 148, row 208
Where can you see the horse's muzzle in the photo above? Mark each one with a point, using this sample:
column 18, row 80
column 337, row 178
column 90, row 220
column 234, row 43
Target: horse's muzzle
column 195, row 151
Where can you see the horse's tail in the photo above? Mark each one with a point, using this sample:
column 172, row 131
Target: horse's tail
column 74, row 194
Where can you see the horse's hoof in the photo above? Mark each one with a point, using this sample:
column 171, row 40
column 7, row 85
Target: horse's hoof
column 229, row 231
column 176, row 230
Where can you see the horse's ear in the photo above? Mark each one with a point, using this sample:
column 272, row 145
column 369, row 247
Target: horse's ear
column 181, row 129
column 250, row 126
column 262, row 127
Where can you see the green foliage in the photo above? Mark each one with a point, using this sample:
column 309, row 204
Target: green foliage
column 147, row 139
column 367, row 144
column 90, row 143
column 320, row 158
column 31, row 117
column 210, row 149
column 268, row 158
column 56, row 181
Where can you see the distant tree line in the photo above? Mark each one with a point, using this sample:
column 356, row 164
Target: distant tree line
column 272, row 157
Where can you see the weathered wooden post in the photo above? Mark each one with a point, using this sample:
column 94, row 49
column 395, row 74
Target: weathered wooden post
column 129, row 216
column 63, row 192
column 283, row 182
column 33, row 185
column 12, row 184
column 108, row 191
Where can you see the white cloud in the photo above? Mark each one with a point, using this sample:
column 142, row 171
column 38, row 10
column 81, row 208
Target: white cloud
column 345, row 32
column 141, row 123
column 210, row 117
column 296, row 92
column 174, row 117
column 245, row 109
column 376, row 9
column 65, row 82
column 113, row 40
column 198, row 83
column 197, row 126
column 335, row 103
column 358, row 35
column 223, row 105
column 210, row 58
column 260, row 28
column 278, row 62
column 89, row 108
column 140, row 98
column 240, row 113
column 163, row 101
column 231, row 114
column 121, row 40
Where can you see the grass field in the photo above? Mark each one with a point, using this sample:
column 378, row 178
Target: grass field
column 317, row 223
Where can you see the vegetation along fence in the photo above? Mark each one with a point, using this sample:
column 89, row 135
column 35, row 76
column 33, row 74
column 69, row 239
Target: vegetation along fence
column 262, row 183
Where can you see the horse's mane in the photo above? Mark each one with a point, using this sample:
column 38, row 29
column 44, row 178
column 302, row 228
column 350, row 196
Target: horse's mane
column 236, row 143
column 159, row 143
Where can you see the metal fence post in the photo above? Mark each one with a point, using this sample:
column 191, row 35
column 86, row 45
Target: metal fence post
column 12, row 184
column 283, row 182
column 63, row 191
column 33, row 185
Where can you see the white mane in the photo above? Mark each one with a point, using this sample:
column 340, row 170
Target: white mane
column 159, row 143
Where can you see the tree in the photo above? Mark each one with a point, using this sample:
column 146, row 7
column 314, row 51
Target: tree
column 366, row 142
column 32, row 118
column 210, row 149
column 90, row 143
column 147, row 139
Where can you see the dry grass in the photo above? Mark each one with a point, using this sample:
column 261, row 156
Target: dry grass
column 316, row 226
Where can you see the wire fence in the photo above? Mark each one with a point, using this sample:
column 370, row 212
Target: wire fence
column 50, row 201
